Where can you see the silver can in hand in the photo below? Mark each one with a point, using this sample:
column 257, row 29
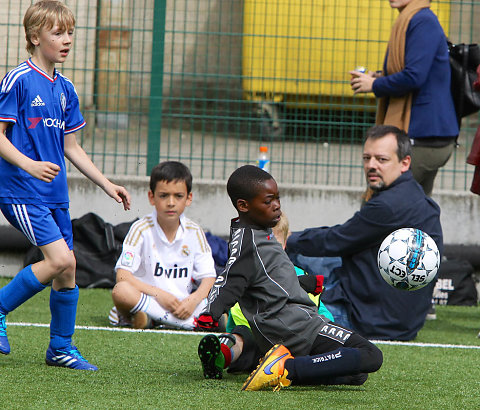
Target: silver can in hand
column 361, row 69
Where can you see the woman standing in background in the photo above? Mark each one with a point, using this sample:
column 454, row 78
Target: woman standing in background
column 414, row 88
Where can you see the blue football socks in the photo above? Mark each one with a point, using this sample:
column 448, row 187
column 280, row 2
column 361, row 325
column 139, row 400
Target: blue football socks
column 21, row 288
column 63, row 308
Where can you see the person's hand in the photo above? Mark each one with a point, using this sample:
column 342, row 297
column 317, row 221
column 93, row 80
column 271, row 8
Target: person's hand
column 167, row 301
column 360, row 82
column 185, row 308
column 205, row 322
column 43, row 170
column 375, row 74
column 120, row 194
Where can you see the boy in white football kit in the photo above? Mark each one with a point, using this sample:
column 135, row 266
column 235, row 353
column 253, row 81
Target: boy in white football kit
column 39, row 115
column 165, row 256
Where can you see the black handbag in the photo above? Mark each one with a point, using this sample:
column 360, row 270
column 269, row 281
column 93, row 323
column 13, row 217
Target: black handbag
column 464, row 60
column 455, row 284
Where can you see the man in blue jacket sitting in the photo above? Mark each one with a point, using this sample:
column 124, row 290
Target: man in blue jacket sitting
column 361, row 299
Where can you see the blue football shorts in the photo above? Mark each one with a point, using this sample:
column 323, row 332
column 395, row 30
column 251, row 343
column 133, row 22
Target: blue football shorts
column 39, row 223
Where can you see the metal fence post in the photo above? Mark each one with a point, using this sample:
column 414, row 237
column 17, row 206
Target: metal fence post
column 156, row 84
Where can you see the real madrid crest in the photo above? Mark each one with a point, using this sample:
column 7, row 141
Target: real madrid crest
column 185, row 250
column 63, row 101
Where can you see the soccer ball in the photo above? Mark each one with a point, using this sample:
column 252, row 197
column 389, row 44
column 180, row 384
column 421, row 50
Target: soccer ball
column 408, row 259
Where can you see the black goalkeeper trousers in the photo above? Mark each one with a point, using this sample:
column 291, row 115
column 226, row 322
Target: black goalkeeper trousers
column 371, row 357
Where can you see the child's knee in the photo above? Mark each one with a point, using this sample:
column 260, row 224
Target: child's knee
column 124, row 295
column 63, row 265
column 371, row 359
column 118, row 290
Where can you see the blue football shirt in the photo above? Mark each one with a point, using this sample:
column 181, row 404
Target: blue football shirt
column 41, row 110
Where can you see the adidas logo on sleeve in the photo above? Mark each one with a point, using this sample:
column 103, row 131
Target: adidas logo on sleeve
column 37, row 102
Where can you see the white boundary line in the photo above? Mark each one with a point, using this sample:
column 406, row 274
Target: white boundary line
column 190, row 333
column 112, row 329
column 445, row 346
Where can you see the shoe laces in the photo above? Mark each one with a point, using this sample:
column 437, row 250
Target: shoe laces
column 278, row 387
column 73, row 351
column 3, row 326
column 274, row 382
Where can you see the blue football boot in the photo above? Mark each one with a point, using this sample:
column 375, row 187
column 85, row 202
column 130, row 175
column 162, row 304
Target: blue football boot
column 4, row 345
column 69, row 357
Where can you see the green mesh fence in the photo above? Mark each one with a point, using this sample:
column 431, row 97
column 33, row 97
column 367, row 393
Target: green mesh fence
column 208, row 82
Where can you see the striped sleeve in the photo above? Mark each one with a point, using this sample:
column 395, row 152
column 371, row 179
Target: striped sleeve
column 203, row 264
column 12, row 76
column 232, row 282
column 10, row 93
column 200, row 235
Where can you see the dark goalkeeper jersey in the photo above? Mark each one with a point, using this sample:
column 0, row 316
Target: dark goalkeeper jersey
column 261, row 277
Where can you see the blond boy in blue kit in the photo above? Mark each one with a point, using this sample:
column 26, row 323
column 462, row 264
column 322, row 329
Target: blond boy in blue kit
column 39, row 115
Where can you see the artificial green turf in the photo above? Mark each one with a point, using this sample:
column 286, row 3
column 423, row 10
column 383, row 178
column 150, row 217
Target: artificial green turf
column 154, row 370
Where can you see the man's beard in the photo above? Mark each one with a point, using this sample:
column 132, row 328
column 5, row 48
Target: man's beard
column 377, row 187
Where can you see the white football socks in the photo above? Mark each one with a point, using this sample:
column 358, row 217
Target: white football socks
column 156, row 312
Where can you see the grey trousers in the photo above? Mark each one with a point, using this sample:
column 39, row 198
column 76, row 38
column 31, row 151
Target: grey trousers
column 425, row 164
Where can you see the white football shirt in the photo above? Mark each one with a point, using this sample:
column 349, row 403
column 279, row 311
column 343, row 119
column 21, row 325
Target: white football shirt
column 173, row 267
